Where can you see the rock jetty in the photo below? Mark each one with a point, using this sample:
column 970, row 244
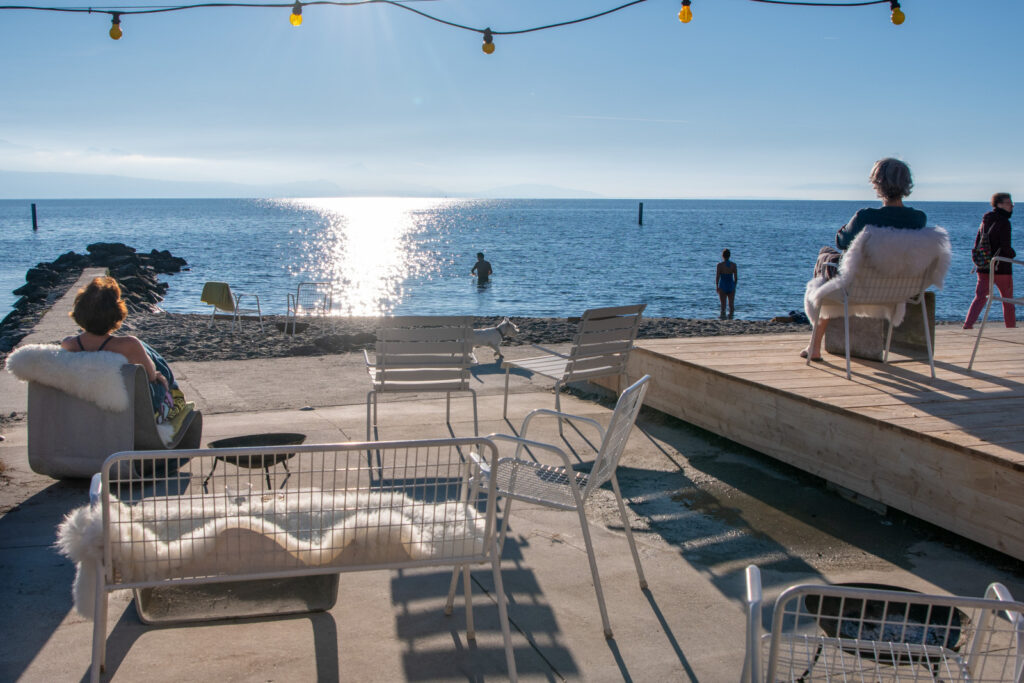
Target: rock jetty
column 46, row 282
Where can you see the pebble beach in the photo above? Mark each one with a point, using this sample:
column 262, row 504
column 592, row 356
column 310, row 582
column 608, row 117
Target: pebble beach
column 190, row 337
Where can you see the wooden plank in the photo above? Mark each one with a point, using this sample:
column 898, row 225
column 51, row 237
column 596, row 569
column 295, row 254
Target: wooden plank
column 939, row 449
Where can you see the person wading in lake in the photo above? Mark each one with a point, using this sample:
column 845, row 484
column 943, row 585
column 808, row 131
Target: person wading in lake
column 726, row 279
column 482, row 269
column 996, row 224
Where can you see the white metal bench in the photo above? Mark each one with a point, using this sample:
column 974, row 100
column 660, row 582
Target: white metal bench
column 845, row 633
column 420, row 504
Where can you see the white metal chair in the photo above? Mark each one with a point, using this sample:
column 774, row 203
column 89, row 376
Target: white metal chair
column 600, row 348
column 882, row 271
column 994, row 296
column 421, row 354
column 220, row 296
column 562, row 488
column 310, row 299
column 843, row 633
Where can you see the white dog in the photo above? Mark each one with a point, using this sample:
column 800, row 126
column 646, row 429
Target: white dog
column 493, row 336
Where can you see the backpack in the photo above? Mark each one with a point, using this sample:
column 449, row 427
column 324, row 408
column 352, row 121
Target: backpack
column 981, row 253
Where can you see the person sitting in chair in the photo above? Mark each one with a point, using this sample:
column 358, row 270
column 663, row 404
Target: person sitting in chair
column 892, row 182
column 99, row 310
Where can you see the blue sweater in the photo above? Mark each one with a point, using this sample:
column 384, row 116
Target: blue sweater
column 900, row 217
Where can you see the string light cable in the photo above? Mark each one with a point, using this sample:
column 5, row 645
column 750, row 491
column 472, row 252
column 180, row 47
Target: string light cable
column 685, row 14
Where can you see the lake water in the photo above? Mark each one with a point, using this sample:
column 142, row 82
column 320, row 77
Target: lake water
column 552, row 258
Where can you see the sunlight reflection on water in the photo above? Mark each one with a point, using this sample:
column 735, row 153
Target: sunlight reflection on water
column 366, row 246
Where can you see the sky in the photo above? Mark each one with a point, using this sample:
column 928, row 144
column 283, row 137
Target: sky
column 748, row 100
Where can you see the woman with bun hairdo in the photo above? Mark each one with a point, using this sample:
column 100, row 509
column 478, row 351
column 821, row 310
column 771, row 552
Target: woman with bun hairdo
column 99, row 310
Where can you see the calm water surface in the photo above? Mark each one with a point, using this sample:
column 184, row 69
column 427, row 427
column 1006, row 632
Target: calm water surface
column 413, row 256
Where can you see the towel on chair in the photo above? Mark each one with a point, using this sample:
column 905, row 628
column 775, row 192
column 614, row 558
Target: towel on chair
column 218, row 295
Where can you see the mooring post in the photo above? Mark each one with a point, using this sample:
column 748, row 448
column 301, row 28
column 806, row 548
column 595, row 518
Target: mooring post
column 35, row 226
column 640, row 220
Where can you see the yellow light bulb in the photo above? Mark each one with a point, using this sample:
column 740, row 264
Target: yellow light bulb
column 897, row 16
column 488, row 48
column 686, row 14
column 296, row 19
column 115, row 28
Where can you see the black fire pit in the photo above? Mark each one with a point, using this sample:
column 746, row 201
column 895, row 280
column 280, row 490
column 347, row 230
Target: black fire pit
column 257, row 461
column 887, row 621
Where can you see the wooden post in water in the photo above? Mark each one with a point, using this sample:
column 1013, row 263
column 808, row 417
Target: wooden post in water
column 35, row 226
column 640, row 220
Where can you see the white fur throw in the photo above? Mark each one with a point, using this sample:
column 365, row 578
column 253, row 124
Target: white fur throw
column 93, row 377
column 923, row 255
column 177, row 537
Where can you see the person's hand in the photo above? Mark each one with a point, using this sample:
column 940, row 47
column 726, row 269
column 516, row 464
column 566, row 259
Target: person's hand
column 160, row 379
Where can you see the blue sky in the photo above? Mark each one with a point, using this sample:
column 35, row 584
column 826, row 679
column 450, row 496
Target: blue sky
column 748, row 100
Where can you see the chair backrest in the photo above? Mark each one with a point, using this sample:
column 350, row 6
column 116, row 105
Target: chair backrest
column 887, row 265
column 603, row 341
column 314, row 298
column 218, row 295
column 424, row 352
column 615, row 437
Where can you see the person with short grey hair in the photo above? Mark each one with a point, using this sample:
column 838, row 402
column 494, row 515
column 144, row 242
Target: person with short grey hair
column 892, row 181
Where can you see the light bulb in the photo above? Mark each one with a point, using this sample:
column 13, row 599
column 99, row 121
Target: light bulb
column 296, row 17
column 686, row 14
column 115, row 27
column 897, row 17
column 488, row 46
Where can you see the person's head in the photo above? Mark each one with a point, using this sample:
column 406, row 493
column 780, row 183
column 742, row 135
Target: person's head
column 891, row 178
column 479, row 256
column 99, row 308
column 1002, row 200
column 726, row 254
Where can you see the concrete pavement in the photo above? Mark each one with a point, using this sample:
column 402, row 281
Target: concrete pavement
column 702, row 507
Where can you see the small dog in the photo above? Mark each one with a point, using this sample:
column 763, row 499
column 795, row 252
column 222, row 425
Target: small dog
column 493, row 336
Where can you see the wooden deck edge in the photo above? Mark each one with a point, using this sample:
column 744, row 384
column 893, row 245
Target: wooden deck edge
column 972, row 493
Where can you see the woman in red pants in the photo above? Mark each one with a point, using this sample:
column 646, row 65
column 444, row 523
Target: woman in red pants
column 997, row 223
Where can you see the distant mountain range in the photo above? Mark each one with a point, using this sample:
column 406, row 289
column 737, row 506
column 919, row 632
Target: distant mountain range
column 45, row 185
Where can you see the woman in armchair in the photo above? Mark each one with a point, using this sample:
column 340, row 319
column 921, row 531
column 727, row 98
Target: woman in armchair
column 99, row 310
column 892, row 182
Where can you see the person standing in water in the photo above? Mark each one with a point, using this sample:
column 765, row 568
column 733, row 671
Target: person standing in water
column 726, row 279
column 482, row 269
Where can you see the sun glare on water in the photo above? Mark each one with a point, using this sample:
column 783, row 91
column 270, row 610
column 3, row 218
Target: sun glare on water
column 364, row 245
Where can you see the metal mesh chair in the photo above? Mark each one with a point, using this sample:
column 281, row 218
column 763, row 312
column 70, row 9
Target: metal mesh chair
column 600, row 349
column 993, row 296
column 837, row 633
column 220, row 296
column 421, row 354
column 563, row 489
column 310, row 299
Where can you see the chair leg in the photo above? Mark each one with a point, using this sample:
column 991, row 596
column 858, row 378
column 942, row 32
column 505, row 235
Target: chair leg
column 499, row 590
column 449, row 604
column 448, row 408
column 467, row 588
column 371, row 410
column 99, row 626
column 846, row 331
column 476, row 424
column 629, row 533
column 981, row 329
column 888, row 342
column 928, row 337
column 504, row 410
column 558, row 405
column 593, row 571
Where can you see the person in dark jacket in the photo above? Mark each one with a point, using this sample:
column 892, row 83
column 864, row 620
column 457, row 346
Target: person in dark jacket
column 997, row 224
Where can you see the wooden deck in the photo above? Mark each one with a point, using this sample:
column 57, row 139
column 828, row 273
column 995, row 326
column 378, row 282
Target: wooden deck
column 948, row 450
